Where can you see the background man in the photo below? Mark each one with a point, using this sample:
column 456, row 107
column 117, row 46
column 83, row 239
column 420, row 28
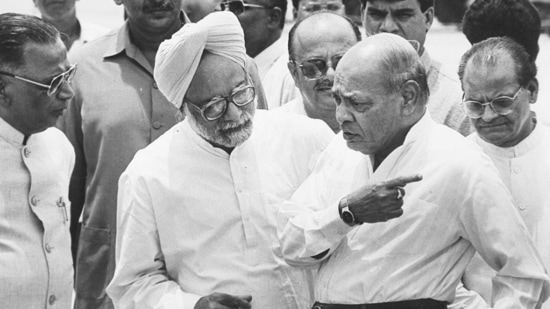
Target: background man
column 62, row 15
column 498, row 77
column 263, row 22
column 117, row 110
column 36, row 163
column 414, row 261
column 517, row 19
column 315, row 46
column 412, row 19
column 304, row 8
column 197, row 208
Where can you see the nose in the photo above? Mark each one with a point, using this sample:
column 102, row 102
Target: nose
column 233, row 112
column 389, row 25
column 488, row 113
column 343, row 114
column 66, row 92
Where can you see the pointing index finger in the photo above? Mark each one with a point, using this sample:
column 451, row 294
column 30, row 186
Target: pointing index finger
column 402, row 181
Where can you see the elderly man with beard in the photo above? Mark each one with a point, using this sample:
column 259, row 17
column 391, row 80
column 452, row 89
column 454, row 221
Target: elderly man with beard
column 197, row 208
column 315, row 46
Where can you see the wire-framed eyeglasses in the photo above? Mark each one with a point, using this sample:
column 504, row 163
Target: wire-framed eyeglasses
column 217, row 106
column 502, row 105
column 55, row 83
column 238, row 6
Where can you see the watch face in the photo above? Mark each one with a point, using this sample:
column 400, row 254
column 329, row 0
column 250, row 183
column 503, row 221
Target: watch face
column 347, row 217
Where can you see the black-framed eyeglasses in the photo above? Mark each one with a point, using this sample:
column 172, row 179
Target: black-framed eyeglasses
column 217, row 106
column 315, row 68
column 55, row 83
column 502, row 105
column 330, row 6
column 238, row 6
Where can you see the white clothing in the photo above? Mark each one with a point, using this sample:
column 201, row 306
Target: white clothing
column 36, row 266
column 295, row 106
column 278, row 83
column 445, row 96
column 525, row 169
column 193, row 220
column 459, row 206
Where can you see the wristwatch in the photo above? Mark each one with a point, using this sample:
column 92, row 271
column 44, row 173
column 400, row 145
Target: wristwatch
column 345, row 214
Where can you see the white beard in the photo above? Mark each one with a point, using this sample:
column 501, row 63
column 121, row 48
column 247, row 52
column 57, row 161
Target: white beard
column 226, row 134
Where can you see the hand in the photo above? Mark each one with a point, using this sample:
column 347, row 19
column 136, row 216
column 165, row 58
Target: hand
column 380, row 202
column 223, row 301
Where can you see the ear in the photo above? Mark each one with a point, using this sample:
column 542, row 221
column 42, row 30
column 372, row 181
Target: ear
column 294, row 14
column 118, row 2
column 429, row 18
column 293, row 71
column 411, row 97
column 275, row 18
column 533, row 88
column 5, row 99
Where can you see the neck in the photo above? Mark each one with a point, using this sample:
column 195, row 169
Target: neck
column 328, row 116
column 254, row 51
column 69, row 28
column 148, row 42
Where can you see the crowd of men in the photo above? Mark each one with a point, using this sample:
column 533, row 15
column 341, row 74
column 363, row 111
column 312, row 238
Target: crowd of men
column 197, row 158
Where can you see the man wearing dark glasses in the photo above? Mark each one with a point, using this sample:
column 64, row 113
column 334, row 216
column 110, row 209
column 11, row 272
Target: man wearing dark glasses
column 263, row 22
column 316, row 44
column 36, row 163
column 398, row 204
column 197, row 208
column 499, row 81
column 412, row 19
column 304, row 8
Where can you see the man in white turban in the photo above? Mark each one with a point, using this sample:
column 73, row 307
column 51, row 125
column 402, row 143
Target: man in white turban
column 197, row 208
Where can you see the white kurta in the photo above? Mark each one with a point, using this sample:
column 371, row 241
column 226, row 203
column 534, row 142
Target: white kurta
column 36, row 267
column 460, row 206
column 525, row 169
column 193, row 220
column 278, row 83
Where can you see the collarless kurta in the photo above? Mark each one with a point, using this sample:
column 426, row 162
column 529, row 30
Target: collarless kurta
column 36, row 268
column 194, row 220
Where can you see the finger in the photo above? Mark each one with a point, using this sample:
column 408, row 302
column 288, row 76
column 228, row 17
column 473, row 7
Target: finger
column 402, row 181
column 400, row 193
column 394, row 214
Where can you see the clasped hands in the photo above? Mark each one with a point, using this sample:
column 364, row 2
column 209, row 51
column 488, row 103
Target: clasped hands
column 380, row 202
column 224, row 301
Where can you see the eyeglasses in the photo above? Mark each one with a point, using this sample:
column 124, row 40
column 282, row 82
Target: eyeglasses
column 502, row 105
column 314, row 7
column 316, row 68
column 217, row 106
column 238, row 7
column 55, row 83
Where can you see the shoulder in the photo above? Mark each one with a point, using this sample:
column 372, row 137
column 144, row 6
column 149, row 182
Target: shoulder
column 95, row 49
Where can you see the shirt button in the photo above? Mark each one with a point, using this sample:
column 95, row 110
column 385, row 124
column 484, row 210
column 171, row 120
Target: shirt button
column 517, row 170
column 34, row 200
column 522, row 206
column 48, row 249
column 26, row 152
column 155, row 85
column 157, row 125
column 52, row 299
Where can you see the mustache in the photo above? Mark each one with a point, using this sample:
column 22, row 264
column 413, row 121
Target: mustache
column 157, row 6
column 324, row 83
column 232, row 125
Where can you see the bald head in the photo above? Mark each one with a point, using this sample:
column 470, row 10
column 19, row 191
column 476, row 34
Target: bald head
column 390, row 58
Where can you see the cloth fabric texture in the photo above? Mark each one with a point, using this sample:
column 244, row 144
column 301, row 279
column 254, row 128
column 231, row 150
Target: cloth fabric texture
column 117, row 110
column 36, row 267
column 278, row 83
column 178, row 58
column 461, row 205
column 295, row 106
column 445, row 103
column 193, row 220
column 525, row 169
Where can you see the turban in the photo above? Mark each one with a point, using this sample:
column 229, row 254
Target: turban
column 178, row 58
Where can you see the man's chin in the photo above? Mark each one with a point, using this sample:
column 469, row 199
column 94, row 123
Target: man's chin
column 234, row 137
